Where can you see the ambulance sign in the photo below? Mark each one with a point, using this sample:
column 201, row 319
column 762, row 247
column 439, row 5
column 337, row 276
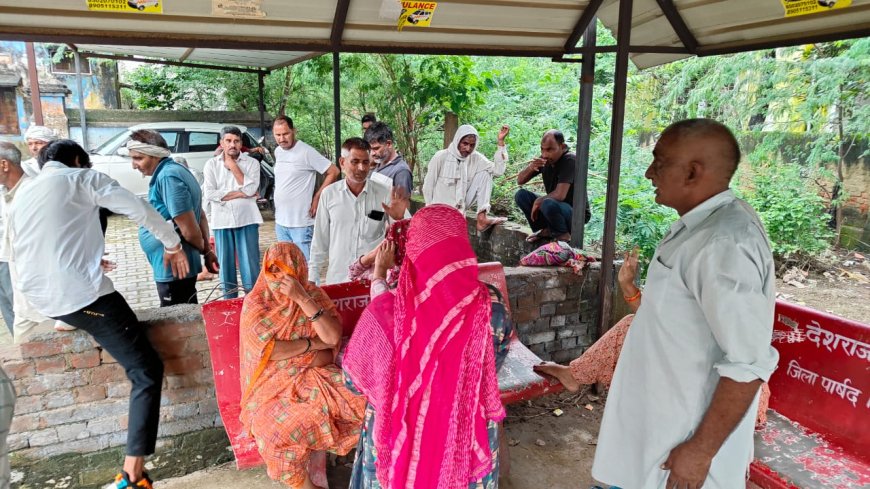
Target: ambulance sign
column 418, row 14
column 131, row 6
column 794, row 8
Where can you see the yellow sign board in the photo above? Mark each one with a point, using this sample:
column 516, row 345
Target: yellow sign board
column 794, row 8
column 134, row 6
column 418, row 14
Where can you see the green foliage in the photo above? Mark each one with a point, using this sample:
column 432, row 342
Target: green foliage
column 786, row 199
column 798, row 110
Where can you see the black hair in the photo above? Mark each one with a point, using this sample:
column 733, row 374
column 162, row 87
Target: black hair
column 283, row 119
column 148, row 136
column 231, row 130
column 369, row 117
column 379, row 132
column 65, row 151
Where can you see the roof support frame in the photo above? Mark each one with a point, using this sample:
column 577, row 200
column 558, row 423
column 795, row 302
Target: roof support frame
column 679, row 25
column 119, row 57
column 584, row 137
column 586, row 18
column 620, row 84
column 338, row 23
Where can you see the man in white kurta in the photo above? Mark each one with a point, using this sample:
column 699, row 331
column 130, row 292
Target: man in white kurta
column 461, row 177
column 682, row 405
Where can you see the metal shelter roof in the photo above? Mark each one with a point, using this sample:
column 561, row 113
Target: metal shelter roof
column 291, row 31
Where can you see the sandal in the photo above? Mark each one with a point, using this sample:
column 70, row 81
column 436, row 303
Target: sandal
column 538, row 237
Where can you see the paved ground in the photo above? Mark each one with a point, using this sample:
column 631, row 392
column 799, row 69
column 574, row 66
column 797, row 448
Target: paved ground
column 133, row 277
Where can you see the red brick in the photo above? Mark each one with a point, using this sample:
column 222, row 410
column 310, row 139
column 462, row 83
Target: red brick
column 50, row 365
column 24, row 422
column 105, row 357
column 187, row 365
column 119, row 389
column 41, row 349
column 176, row 330
column 105, row 374
column 197, row 344
column 189, row 394
column 169, row 348
column 28, row 404
column 17, row 370
column 89, row 393
column 86, row 359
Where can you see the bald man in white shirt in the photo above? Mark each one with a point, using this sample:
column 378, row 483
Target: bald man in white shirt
column 681, row 409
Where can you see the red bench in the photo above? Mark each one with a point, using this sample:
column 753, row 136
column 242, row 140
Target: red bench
column 517, row 381
column 817, row 434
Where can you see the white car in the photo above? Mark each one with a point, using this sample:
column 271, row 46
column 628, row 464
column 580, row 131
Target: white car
column 195, row 142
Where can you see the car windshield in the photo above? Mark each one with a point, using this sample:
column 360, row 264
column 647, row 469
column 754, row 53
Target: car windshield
column 111, row 146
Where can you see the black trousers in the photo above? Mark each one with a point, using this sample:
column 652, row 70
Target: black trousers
column 177, row 292
column 115, row 327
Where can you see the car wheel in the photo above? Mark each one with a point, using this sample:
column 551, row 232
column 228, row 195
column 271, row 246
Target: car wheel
column 141, row 7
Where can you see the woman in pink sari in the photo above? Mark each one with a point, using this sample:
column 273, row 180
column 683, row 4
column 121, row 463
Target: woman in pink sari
column 423, row 356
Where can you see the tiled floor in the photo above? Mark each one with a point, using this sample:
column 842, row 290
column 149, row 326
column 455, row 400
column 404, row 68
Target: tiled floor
column 133, row 277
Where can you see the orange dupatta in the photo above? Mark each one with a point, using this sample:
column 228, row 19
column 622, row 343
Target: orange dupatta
column 269, row 315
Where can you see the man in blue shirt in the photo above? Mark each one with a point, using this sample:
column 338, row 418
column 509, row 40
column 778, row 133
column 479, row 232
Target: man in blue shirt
column 176, row 195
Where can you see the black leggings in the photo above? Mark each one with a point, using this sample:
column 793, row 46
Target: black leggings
column 115, row 327
column 177, row 292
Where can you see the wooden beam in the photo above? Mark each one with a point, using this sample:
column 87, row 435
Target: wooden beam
column 338, row 23
column 678, row 24
column 186, row 55
column 585, row 19
column 119, row 57
column 631, row 49
column 294, row 61
column 783, row 41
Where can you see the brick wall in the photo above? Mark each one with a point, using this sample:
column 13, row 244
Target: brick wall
column 554, row 309
column 73, row 399
column 71, row 416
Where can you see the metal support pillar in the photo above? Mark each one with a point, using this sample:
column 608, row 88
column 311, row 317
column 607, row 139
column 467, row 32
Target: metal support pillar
column 35, row 96
column 262, row 104
column 336, row 102
column 80, row 87
column 584, row 134
column 620, row 80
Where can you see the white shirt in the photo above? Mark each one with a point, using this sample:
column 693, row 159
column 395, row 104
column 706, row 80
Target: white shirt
column 296, row 170
column 56, row 238
column 447, row 179
column 707, row 313
column 343, row 231
column 236, row 213
column 30, row 167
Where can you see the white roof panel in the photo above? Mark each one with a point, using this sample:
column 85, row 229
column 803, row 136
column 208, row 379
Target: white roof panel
column 290, row 31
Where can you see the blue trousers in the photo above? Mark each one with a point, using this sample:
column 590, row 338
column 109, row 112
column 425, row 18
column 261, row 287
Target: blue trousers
column 552, row 215
column 6, row 295
column 243, row 244
column 301, row 237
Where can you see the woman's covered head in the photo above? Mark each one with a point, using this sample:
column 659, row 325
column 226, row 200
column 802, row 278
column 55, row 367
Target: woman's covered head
column 284, row 259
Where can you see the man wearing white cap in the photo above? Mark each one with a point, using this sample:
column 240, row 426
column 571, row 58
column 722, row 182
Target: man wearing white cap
column 36, row 138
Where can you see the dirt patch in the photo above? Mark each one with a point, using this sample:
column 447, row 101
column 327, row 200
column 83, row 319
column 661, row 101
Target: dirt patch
column 553, row 451
column 840, row 285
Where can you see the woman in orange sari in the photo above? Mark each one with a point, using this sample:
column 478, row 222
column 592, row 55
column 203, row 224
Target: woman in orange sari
column 294, row 400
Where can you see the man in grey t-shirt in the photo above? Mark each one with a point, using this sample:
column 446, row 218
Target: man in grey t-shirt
column 388, row 161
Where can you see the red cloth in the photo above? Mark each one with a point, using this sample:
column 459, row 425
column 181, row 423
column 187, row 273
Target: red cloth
column 423, row 356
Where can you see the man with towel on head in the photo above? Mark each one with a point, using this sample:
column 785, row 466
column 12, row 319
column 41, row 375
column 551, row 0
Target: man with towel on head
column 36, row 138
column 459, row 176
column 176, row 195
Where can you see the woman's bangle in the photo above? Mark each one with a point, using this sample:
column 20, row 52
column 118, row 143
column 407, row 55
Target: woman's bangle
column 632, row 298
column 307, row 348
column 172, row 252
column 316, row 315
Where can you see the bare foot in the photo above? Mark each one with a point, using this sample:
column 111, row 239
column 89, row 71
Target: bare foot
column 561, row 372
column 488, row 222
column 562, row 237
column 308, row 484
column 134, row 467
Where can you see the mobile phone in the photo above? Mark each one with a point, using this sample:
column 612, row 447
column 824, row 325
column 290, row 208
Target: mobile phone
column 376, row 215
